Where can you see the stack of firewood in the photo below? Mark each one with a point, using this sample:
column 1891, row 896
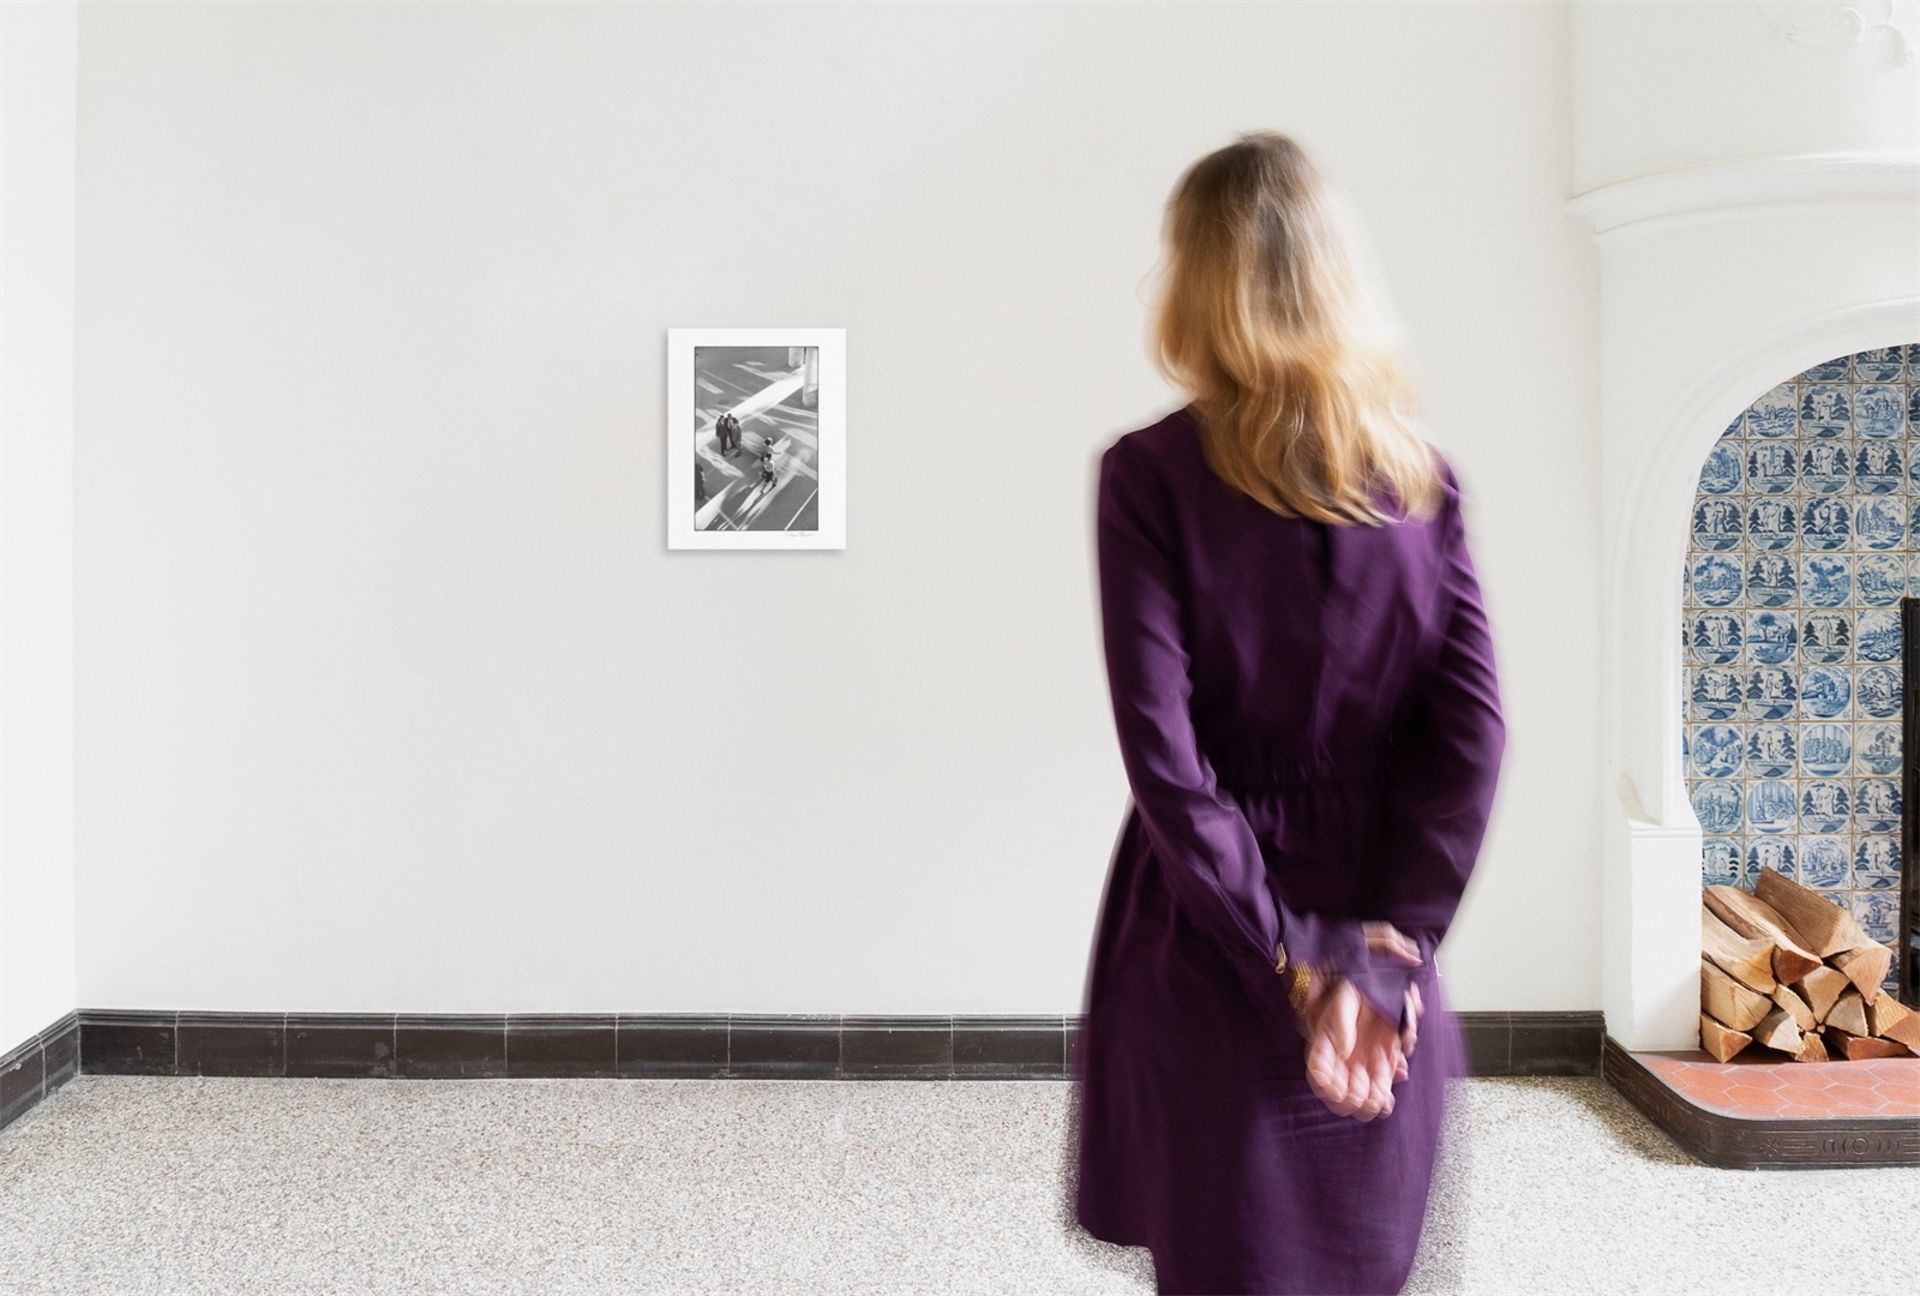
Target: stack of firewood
column 1784, row 967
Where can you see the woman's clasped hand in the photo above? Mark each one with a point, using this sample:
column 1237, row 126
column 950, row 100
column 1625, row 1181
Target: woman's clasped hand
column 1354, row 1055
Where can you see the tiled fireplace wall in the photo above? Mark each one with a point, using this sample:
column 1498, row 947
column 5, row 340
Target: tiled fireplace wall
column 1805, row 536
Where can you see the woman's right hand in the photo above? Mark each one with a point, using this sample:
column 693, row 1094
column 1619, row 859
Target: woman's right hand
column 1385, row 938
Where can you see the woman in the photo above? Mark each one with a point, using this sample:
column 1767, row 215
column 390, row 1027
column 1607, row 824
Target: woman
column 1304, row 692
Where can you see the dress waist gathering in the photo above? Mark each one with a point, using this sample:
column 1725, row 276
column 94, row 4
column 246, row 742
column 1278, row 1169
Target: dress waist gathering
column 1257, row 769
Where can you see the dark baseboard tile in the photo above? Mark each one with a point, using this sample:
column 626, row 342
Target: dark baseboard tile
column 128, row 1041
column 344, row 1046
column 1013, row 1048
column 896, row 1048
column 37, row 1066
column 562, row 1045
column 796, row 1047
column 686, row 1045
column 230, row 1044
column 670, row 1046
column 1532, row 1043
column 450, row 1046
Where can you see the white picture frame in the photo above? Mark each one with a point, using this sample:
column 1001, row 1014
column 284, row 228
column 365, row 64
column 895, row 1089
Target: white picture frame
column 775, row 479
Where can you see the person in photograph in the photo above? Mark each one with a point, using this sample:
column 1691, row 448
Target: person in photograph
column 766, row 466
column 1303, row 687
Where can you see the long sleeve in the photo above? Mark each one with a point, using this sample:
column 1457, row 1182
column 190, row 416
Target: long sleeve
column 1445, row 765
column 1211, row 858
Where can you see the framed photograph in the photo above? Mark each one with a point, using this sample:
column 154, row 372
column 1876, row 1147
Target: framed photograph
column 756, row 438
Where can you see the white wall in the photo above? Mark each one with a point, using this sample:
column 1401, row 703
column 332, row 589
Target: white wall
column 37, row 87
column 390, row 696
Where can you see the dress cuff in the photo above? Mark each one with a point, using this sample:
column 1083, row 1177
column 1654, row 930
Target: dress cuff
column 1330, row 949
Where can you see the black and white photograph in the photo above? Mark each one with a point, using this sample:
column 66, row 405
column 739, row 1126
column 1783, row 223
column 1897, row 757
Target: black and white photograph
column 756, row 452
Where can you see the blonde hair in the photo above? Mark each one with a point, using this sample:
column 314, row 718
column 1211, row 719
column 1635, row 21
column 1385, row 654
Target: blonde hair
column 1263, row 322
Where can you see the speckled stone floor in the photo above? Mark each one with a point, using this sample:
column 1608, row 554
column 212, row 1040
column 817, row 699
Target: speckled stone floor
column 129, row 1185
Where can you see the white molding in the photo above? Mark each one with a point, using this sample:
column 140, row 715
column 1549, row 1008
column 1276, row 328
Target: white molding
column 1838, row 27
column 1859, row 180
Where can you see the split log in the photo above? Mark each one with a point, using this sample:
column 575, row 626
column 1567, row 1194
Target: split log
column 1753, row 917
column 1729, row 1002
column 1823, row 926
column 1888, row 1018
column 1866, row 967
column 1778, row 1032
column 1858, row 1048
column 1719, row 1041
column 1850, row 1014
column 1796, row 1007
column 1821, row 987
column 1811, row 1049
column 1747, row 959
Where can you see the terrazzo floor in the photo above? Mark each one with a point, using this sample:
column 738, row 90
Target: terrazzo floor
column 130, row 1185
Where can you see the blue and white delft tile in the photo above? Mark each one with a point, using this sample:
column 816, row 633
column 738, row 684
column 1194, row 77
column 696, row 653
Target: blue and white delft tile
column 1776, row 414
column 1824, row 749
column 1877, row 365
column 1826, row 524
column 1826, row 580
column 1824, row 469
column 1718, row 524
column 1715, row 751
column 1879, row 523
column 1717, row 694
column 1880, row 580
column 1771, row 637
column 1720, row 861
column 1876, row 806
column 1716, row 638
column 1824, row 805
column 1717, row 805
column 1878, row 468
column 1879, row 636
column 1823, row 862
column 1878, row 912
column 1772, row 806
column 1773, row 468
column 1725, row 470
column 1717, row 582
column 1825, row 692
column 1772, row 523
column 1826, row 636
column 1776, row 853
column 1876, row 692
column 1880, row 411
column 1825, row 410
column 1771, row 750
column 1877, row 749
column 1876, row 863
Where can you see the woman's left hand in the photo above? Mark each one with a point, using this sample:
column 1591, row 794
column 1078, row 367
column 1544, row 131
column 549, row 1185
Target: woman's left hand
column 1353, row 1053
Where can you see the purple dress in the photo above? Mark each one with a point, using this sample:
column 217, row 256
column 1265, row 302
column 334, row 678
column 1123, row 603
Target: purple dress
column 1310, row 724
